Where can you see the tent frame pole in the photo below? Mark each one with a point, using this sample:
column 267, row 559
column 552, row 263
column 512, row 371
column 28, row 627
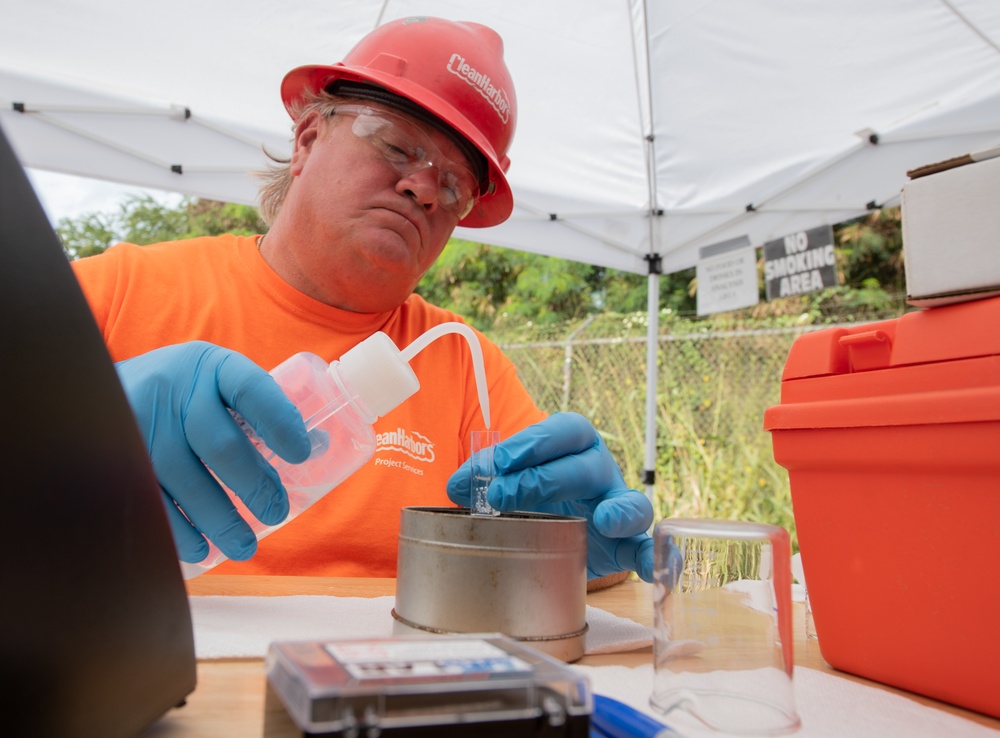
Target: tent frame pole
column 641, row 56
column 652, row 350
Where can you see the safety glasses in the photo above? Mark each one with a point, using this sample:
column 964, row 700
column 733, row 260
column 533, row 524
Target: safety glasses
column 408, row 149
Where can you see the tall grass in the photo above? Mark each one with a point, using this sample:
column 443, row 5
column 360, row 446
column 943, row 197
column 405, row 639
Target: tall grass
column 713, row 457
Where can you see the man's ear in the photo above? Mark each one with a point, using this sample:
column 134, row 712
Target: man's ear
column 306, row 134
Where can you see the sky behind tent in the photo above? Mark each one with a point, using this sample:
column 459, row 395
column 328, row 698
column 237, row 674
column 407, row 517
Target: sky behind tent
column 69, row 196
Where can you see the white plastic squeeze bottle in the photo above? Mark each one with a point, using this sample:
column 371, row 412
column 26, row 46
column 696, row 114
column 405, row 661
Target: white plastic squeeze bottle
column 340, row 402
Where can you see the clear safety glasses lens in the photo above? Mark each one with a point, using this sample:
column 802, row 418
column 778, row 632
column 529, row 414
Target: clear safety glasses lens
column 409, row 149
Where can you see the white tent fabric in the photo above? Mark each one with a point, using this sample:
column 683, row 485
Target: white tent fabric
column 768, row 104
column 647, row 129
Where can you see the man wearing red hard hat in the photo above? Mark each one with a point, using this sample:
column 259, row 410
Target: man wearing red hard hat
column 393, row 147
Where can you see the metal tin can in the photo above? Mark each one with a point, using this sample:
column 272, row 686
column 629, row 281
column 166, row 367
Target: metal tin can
column 520, row 574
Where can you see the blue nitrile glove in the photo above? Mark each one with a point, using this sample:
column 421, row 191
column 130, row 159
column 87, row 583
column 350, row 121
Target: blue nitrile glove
column 181, row 396
column 562, row 465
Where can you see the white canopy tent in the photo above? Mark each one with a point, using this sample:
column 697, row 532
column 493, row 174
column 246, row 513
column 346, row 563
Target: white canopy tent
column 646, row 130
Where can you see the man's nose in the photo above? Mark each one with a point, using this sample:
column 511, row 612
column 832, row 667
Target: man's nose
column 422, row 184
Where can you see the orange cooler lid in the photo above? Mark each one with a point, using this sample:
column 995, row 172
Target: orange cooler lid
column 938, row 365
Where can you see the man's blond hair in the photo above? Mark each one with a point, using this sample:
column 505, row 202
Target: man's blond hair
column 277, row 178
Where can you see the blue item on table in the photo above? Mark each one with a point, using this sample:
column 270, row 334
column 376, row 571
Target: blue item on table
column 614, row 719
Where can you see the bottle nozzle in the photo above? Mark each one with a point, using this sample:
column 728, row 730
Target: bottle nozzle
column 420, row 343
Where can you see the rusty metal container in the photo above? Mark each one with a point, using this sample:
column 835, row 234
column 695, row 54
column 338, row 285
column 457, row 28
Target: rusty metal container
column 520, row 574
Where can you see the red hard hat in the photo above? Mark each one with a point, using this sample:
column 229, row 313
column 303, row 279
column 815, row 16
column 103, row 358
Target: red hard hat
column 453, row 70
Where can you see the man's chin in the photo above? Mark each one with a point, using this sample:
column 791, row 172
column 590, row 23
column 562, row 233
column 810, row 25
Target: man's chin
column 392, row 250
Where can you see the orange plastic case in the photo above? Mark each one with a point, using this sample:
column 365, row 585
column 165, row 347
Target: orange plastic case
column 890, row 433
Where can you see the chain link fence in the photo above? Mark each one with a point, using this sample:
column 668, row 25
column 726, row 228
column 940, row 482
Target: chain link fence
column 713, row 457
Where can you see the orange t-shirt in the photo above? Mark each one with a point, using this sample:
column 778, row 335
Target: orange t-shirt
column 220, row 289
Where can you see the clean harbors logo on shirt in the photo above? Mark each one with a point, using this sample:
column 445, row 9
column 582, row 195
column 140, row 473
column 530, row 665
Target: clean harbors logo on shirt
column 411, row 443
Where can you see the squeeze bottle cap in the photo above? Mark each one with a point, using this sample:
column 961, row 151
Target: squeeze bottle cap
column 376, row 371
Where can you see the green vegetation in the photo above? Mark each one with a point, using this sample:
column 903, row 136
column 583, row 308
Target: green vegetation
column 144, row 220
column 577, row 335
column 714, row 382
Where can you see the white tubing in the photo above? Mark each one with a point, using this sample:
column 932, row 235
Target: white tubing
column 421, row 342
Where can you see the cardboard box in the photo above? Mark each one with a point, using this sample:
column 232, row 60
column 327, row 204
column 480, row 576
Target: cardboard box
column 890, row 432
column 951, row 230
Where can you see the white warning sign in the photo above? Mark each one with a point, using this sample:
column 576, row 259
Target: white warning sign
column 727, row 277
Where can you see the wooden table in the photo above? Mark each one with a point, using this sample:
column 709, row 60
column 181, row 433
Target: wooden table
column 229, row 699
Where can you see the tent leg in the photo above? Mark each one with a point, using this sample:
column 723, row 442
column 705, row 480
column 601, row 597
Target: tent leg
column 652, row 341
